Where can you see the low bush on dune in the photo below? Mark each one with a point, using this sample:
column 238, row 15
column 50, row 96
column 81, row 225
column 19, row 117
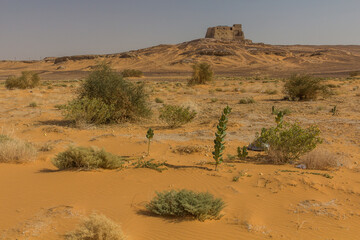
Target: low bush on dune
column 287, row 142
column 131, row 73
column 304, row 87
column 105, row 97
column 186, row 203
column 15, row 150
column 202, row 74
column 176, row 116
column 26, row 80
column 86, row 158
column 320, row 160
column 97, row 227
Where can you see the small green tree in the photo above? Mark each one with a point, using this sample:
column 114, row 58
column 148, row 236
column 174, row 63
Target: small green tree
column 202, row 73
column 220, row 136
column 149, row 136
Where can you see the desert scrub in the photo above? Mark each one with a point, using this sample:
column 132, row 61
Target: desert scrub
column 15, row 150
column 86, row 158
column 157, row 166
column 96, row 227
column 289, row 141
column 304, row 87
column 220, row 134
column 249, row 100
column 118, row 100
column 320, row 160
column 85, row 110
column 33, row 104
column 202, row 74
column 159, row 100
column 131, row 73
column 242, row 152
column 176, row 116
column 186, row 203
column 26, row 80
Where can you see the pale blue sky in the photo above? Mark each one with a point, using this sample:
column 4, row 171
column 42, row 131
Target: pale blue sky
column 34, row 29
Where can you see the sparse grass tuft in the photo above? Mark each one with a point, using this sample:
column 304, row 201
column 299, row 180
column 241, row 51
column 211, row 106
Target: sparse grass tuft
column 33, row 104
column 186, row 203
column 97, row 227
column 15, row 150
column 86, row 158
column 247, row 100
column 150, row 164
column 159, row 100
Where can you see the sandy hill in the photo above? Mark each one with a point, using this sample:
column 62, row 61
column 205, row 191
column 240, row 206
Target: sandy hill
column 226, row 57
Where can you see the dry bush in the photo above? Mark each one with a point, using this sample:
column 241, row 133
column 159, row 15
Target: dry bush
column 97, row 227
column 15, row 150
column 86, row 158
column 26, row 80
column 202, row 73
column 320, row 160
column 132, row 73
column 176, row 116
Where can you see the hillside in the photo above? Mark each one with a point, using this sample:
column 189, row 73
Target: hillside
column 226, row 57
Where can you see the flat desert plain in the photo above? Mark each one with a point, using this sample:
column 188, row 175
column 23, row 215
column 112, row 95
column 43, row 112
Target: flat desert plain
column 263, row 201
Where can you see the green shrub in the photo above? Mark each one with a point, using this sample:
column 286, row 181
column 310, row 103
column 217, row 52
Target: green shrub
column 85, row 110
column 86, row 158
column 131, row 73
column 186, row 203
column 289, row 141
column 96, row 227
column 118, row 99
column 202, row 73
column 176, row 116
column 26, row 80
column 247, row 100
column 304, row 87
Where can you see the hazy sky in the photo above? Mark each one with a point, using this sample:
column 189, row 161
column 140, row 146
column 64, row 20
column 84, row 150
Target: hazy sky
column 34, row 29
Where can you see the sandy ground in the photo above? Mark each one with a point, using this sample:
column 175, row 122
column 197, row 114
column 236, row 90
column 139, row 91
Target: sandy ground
column 268, row 201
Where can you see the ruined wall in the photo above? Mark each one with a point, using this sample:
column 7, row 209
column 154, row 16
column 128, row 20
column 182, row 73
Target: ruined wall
column 226, row 33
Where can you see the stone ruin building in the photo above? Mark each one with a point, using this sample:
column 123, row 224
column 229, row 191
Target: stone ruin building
column 227, row 33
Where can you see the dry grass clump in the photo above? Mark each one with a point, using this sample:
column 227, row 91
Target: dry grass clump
column 320, row 160
column 186, row 203
column 15, row 150
column 202, row 73
column 86, row 158
column 97, row 227
column 190, row 149
column 176, row 116
column 26, row 80
column 132, row 73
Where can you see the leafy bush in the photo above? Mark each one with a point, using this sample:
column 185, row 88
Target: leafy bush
column 131, row 73
column 185, row 203
column 288, row 141
column 106, row 92
column 176, row 116
column 15, row 150
column 304, row 87
column 202, row 73
column 97, row 227
column 86, row 158
column 85, row 110
column 26, row 80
